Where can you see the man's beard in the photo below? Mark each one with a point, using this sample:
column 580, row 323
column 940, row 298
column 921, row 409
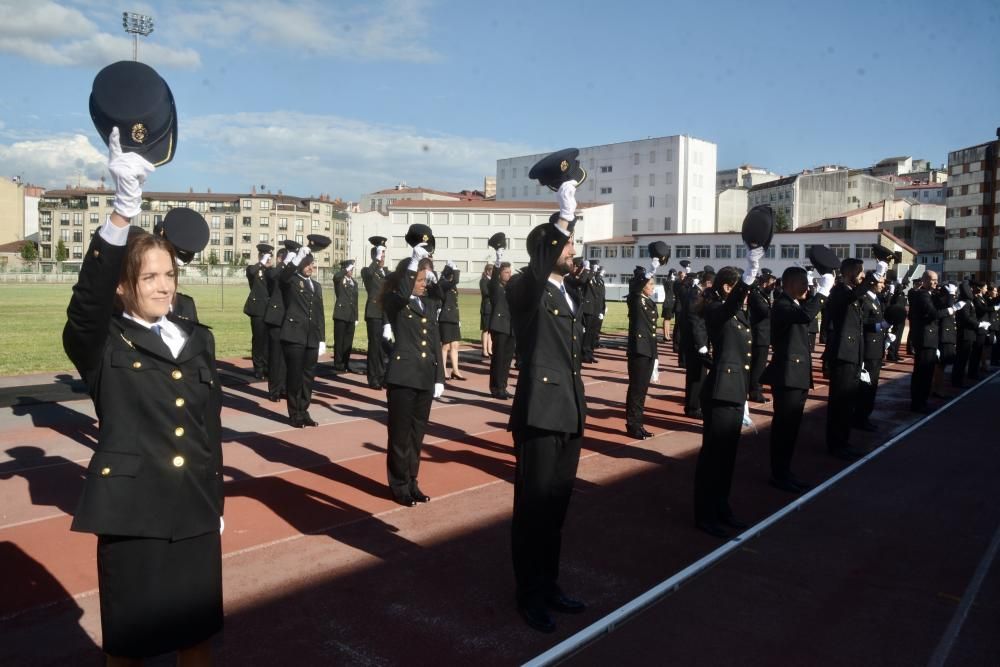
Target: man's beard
column 564, row 267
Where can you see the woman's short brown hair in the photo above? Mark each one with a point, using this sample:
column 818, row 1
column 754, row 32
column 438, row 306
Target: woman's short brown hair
column 135, row 251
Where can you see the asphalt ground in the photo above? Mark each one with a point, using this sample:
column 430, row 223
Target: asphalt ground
column 320, row 567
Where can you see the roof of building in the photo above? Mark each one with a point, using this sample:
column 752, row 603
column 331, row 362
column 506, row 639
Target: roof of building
column 890, row 160
column 919, row 186
column 464, row 194
column 634, row 238
column 13, row 246
column 484, row 204
column 188, row 196
column 776, row 183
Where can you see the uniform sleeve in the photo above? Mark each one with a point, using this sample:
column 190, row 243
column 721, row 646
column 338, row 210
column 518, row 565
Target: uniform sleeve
column 525, row 293
column 715, row 317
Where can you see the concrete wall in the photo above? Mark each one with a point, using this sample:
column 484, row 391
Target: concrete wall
column 11, row 211
column 730, row 209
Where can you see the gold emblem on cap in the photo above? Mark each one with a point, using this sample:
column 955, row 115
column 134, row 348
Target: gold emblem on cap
column 138, row 133
column 564, row 166
column 425, row 238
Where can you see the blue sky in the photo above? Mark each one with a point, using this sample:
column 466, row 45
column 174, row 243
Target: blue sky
column 346, row 97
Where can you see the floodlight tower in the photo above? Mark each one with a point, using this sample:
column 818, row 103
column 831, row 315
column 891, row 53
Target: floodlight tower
column 135, row 25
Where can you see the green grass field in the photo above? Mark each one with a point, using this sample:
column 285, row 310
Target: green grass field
column 32, row 318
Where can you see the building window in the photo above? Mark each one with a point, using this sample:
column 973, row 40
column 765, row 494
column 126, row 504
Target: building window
column 723, row 251
column 247, row 204
column 78, row 236
column 643, row 252
column 246, row 238
column 843, row 250
column 299, row 224
column 863, row 251
column 215, row 238
column 635, row 180
column 606, row 190
column 667, row 223
column 789, row 252
column 769, row 252
column 227, row 240
column 230, row 222
column 95, row 202
column 265, row 221
column 77, row 219
column 95, row 218
column 263, row 238
column 524, row 190
column 635, row 224
column 683, row 251
column 607, row 169
column 652, row 158
column 652, row 180
column 610, row 251
column 628, row 251
column 78, row 252
column 702, row 251
column 247, row 221
column 265, row 204
column 670, row 155
column 741, row 251
column 282, row 223
column 635, row 158
column 652, row 201
column 669, row 178
column 595, row 252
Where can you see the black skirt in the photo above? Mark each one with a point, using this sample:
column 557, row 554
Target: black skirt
column 158, row 596
column 450, row 332
column 484, row 320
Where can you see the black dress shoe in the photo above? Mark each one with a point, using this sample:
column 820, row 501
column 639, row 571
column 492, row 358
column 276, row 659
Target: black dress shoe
column 297, row 423
column 784, row 485
column 559, row 602
column 713, row 529
column 274, row 398
column 646, row 433
column 694, row 414
column 865, row 426
column 405, row 501
column 733, row 522
column 418, row 495
column 309, row 421
column 636, row 433
column 537, row 618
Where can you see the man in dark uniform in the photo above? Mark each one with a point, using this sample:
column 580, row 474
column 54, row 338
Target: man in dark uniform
column 895, row 314
column 589, row 309
column 874, row 329
column 547, row 418
column 924, row 320
column 982, row 311
column 500, row 329
column 844, row 354
column 256, row 307
column 669, row 303
column 273, row 319
column 303, row 333
column 642, row 352
column 759, row 307
column 345, row 315
column 373, row 276
column 600, row 294
column 967, row 329
column 697, row 358
column 681, row 286
column 790, row 371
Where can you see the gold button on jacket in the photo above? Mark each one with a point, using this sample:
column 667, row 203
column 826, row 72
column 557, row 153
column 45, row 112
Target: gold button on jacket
column 179, row 431
column 178, row 461
column 176, row 374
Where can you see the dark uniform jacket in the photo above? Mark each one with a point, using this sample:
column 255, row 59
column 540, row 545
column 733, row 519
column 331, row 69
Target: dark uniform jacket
column 695, row 334
column 967, row 323
column 641, row 325
column 304, row 322
column 275, row 315
column 600, row 294
column 791, row 362
column 184, row 307
column 584, row 283
column 549, row 392
column 416, row 354
column 925, row 314
column 346, row 289
column 982, row 310
column 372, row 276
column 845, row 342
column 728, row 328
column 448, row 288
column 759, row 307
column 669, row 298
column 485, row 304
column 256, row 303
column 500, row 316
column 157, row 469
column 872, row 317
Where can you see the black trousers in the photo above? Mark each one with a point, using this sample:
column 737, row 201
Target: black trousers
column 639, row 371
column 377, row 358
column 924, row 361
column 300, row 362
column 276, row 371
column 409, row 409
column 713, row 475
column 758, row 361
column 543, row 483
column 590, row 323
column 789, row 402
column 897, row 331
column 960, row 368
column 598, row 324
column 503, row 353
column 976, row 357
column 867, row 392
column 840, row 407
column 677, row 340
column 343, row 340
column 258, row 345
column 694, row 378
column 812, row 341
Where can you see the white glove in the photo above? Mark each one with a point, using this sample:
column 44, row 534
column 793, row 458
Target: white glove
column 746, row 416
column 952, row 289
column 880, row 269
column 892, row 288
column 959, row 305
column 600, row 316
column 567, row 201
column 128, row 173
column 753, row 265
column 438, row 389
column 265, row 259
column 431, row 277
column 300, row 255
column 222, row 525
column 655, row 376
column 379, row 252
column 984, row 325
column 694, row 282
column 892, row 337
column 450, row 264
column 825, row 284
column 810, row 276
column 322, row 349
column 355, row 323
column 996, row 307
column 703, row 350
column 387, row 333
column 586, row 265
column 499, row 256
column 654, row 264
column 883, row 326
column 937, row 353
column 419, row 253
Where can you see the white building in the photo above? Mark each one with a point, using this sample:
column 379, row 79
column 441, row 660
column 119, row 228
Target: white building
column 730, row 209
column 817, row 194
column 972, row 213
column 383, row 199
column 462, row 229
column 665, row 184
column 925, row 193
column 744, row 176
column 620, row 255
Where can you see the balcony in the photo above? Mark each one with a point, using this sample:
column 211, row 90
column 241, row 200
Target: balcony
column 224, row 208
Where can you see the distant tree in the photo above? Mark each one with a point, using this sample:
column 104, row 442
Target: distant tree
column 62, row 252
column 29, row 253
column 213, row 259
column 781, row 222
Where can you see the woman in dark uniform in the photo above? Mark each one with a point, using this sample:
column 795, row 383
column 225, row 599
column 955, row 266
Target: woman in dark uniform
column 414, row 376
column 669, row 302
column 642, row 351
column 485, row 310
column 153, row 492
column 723, row 395
column 449, row 321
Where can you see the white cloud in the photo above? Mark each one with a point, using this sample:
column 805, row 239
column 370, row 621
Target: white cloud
column 54, row 162
column 372, row 30
column 308, row 154
column 56, row 35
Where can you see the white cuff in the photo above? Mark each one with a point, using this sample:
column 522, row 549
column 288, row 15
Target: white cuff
column 114, row 234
